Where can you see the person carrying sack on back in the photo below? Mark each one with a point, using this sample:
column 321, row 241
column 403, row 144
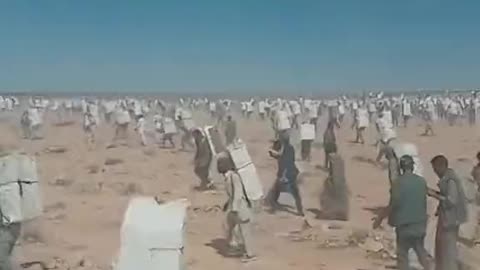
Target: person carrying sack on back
column 238, row 208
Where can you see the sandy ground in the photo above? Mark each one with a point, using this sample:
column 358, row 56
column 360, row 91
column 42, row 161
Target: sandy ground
column 84, row 211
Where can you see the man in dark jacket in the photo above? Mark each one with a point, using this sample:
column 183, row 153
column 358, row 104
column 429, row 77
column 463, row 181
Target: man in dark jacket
column 287, row 173
column 407, row 212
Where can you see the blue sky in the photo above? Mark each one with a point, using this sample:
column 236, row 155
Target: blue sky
column 234, row 46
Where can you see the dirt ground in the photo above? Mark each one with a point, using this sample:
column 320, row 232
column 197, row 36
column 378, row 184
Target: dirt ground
column 85, row 199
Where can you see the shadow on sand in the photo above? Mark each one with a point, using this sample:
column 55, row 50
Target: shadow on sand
column 222, row 248
column 323, row 216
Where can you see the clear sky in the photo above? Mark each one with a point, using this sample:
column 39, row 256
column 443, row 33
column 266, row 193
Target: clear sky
column 238, row 45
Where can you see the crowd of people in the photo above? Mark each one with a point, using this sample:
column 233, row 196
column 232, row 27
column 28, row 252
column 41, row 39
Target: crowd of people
column 158, row 122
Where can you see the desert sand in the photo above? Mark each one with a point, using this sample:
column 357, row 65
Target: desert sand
column 85, row 199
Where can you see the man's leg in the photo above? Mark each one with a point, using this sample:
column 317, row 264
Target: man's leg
column 298, row 199
column 274, row 194
column 309, row 150
column 304, row 149
column 422, row 254
column 450, row 254
column 245, row 234
column 403, row 246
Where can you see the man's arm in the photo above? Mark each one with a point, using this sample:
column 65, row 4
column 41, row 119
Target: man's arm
column 451, row 197
column 385, row 212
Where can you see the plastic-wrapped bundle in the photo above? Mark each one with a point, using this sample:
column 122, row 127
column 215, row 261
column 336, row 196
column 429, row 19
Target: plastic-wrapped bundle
column 20, row 198
column 152, row 235
column 405, row 148
column 247, row 170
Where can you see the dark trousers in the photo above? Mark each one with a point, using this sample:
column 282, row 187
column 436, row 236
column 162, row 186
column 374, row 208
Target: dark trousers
column 292, row 188
column 313, row 121
column 306, row 149
column 407, row 242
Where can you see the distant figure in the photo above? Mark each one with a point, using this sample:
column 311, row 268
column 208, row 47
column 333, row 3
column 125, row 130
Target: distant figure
column 453, row 111
column 238, row 209
column 186, row 139
column 451, row 211
column 472, row 112
column 262, row 109
column 169, row 130
column 140, row 129
column 334, row 197
column 407, row 212
column 202, row 160
column 306, row 143
column 287, row 173
column 406, row 112
column 36, row 123
column 89, row 124
column 329, row 141
column 361, row 123
column 25, row 124
column 230, row 130
column 121, row 124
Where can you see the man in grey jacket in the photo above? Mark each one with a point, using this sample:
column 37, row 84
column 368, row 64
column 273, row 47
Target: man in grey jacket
column 451, row 211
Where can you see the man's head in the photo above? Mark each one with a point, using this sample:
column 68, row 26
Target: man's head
column 197, row 134
column 439, row 165
column 478, row 157
column 229, row 118
column 406, row 163
column 224, row 163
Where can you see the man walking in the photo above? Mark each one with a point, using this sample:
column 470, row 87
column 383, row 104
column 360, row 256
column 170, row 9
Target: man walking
column 451, row 211
column 407, row 212
column 238, row 208
column 286, row 175
column 202, row 160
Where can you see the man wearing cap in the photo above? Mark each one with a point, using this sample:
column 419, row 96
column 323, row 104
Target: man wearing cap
column 407, row 212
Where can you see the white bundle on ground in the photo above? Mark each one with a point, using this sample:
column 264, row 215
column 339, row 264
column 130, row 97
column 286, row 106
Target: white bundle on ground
column 20, row 198
column 152, row 235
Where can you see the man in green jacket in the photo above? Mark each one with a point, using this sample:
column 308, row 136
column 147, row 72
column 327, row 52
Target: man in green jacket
column 407, row 212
